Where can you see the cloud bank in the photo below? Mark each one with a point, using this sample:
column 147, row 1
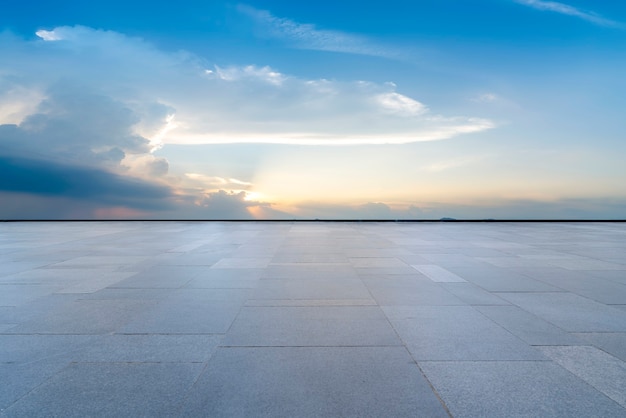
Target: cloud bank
column 77, row 134
column 181, row 98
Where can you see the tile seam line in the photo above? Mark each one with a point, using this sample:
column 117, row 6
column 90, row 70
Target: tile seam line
column 586, row 382
column 406, row 349
column 312, row 346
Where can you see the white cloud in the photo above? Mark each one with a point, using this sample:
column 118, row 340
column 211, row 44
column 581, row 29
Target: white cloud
column 566, row 9
column 485, row 98
column 214, row 183
column 49, row 35
column 180, row 98
column 307, row 36
column 265, row 74
column 401, row 105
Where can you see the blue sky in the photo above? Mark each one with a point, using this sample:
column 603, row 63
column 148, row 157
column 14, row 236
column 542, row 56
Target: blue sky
column 280, row 109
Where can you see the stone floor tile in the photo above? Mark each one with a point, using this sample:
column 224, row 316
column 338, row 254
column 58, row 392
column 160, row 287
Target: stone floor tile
column 165, row 277
column 311, row 326
column 570, row 312
column 527, row 327
column 367, row 262
column 25, row 348
column 20, row 294
column 18, row 379
column 133, row 310
column 473, row 295
column 311, row 302
column 148, row 348
column 190, row 311
column 84, row 317
column 304, row 272
column 110, row 389
column 311, row 289
column 241, row 263
column 516, row 389
column 455, row 333
column 312, row 382
column 226, row 279
column 601, row 370
column 437, row 274
column 409, row 290
column 93, row 284
column 613, row 343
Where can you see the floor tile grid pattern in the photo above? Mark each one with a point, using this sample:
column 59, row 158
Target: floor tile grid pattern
column 340, row 319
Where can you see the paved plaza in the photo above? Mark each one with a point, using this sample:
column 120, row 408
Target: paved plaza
column 312, row 319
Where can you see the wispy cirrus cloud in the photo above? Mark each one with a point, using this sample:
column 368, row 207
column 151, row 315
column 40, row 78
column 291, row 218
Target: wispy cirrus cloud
column 308, row 36
column 566, row 9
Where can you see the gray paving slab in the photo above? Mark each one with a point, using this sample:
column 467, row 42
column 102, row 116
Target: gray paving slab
column 12, row 267
column 126, row 293
column 311, row 302
column 193, row 259
column 455, row 333
column 306, row 257
column 312, row 382
column 375, row 262
column 242, row 263
column 516, row 389
column 408, row 290
column 527, row 326
column 384, row 271
column 25, row 348
column 321, row 288
column 570, row 312
column 311, row 326
column 582, row 283
column 613, row 343
column 99, row 261
column 18, row 379
column 84, row 317
column 110, row 389
column 587, row 264
column 55, row 277
column 147, row 348
column 19, row 294
column 501, row 279
column 226, row 279
column 308, row 272
column 601, row 370
column 618, row 276
column 472, row 294
column 93, row 284
column 437, row 273
column 313, row 318
column 190, row 311
column 168, row 277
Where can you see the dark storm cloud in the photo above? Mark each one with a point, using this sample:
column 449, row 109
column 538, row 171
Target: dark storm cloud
column 78, row 125
column 97, row 186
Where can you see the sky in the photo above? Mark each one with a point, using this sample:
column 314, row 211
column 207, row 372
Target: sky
column 275, row 109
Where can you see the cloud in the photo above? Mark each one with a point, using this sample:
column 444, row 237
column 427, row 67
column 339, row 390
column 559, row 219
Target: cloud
column 215, row 183
column 486, row 98
column 80, row 131
column 99, row 187
column 568, row 10
column 180, row 98
column 366, row 211
column 307, row 36
column 224, row 204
